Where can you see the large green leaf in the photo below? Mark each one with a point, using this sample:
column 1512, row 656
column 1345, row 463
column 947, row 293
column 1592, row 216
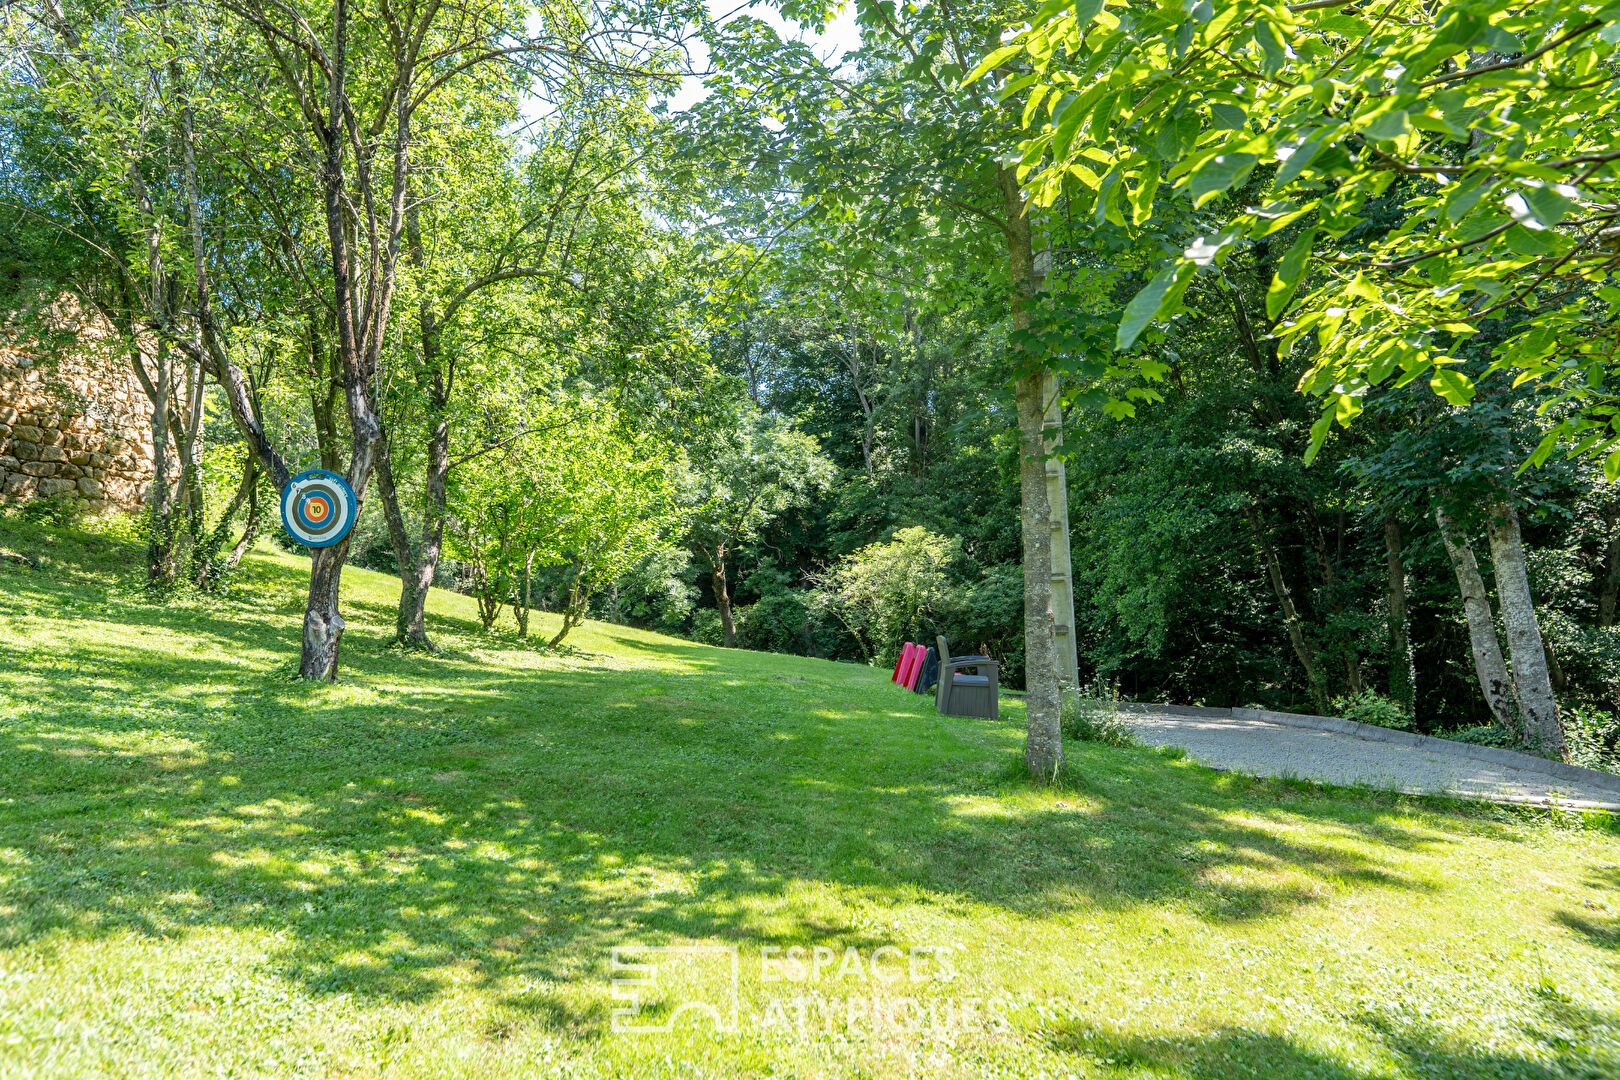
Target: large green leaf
column 1302, row 156
column 1452, row 385
column 1548, row 203
column 1156, row 295
column 1219, row 173
column 1289, row 274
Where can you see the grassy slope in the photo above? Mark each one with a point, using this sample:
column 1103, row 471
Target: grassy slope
column 208, row 867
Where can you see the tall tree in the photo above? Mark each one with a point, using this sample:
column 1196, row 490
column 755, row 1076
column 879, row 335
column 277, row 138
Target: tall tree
column 903, row 154
column 739, row 482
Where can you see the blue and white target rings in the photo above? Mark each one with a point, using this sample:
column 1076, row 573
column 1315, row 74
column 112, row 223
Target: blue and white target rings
column 318, row 508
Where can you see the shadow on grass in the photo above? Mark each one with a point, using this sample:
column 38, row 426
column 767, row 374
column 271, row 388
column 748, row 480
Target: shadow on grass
column 477, row 822
column 1419, row 1049
column 1602, row 931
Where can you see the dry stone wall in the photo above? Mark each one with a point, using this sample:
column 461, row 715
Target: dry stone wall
column 75, row 426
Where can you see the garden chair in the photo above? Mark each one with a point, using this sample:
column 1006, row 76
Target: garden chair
column 958, row 694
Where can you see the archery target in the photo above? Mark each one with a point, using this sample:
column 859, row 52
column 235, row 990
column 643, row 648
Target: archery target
column 318, row 508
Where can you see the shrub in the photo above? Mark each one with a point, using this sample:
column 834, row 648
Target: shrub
column 656, row 592
column 889, row 593
column 59, row 510
column 1592, row 736
column 776, row 623
column 1488, row 735
column 706, row 626
column 1371, row 707
column 1091, row 714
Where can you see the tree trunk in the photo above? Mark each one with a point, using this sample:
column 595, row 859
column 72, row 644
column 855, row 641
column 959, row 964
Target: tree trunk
column 412, row 601
column 1488, row 664
column 189, row 431
column 1291, row 620
column 526, row 596
column 324, row 387
column 250, row 532
column 323, row 625
column 208, row 568
column 1402, row 672
column 1532, row 683
column 1555, row 670
column 413, row 596
column 1330, row 590
column 722, row 600
column 160, row 567
column 1043, row 733
column 359, row 343
column 919, row 415
column 852, row 363
column 418, row 569
column 574, row 607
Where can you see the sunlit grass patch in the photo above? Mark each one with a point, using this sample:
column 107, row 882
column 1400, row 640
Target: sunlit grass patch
column 425, row 869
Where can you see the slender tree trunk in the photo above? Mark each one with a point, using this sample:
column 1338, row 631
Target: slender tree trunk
column 189, row 429
column 1488, row 664
column 399, row 538
column 920, row 429
column 1402, row 672
column 325, row 383
column 573, row 607
column 250, row 532
column 722, row 600
column 570, row 620
column 852, row 363
column 526, row 595
column 1043, row 735
column 749, row 366
column 1555, row 670
column 1330, row 590
column 413, row 596
column 1532, row 683
column 359, row 341
column 418, row 569
column 160, row 567
column 1291, row 620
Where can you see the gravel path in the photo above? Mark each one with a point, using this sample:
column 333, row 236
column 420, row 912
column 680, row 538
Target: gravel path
column 1262, row 748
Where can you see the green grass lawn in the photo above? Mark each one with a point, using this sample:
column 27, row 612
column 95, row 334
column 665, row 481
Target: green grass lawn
column 208, row 868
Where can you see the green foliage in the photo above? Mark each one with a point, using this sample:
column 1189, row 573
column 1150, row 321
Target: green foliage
column 58, row 510
column 776, row 622
column 117, row 526
column 987, row 617
column 1371, row 707
column 655, row 592
column 706, row 627
column 1491, row 735
column 743, row 478
column 1593, row 736
column 1490, row 124
column 586, row 495
column 1091, row 714
column 890, row 593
